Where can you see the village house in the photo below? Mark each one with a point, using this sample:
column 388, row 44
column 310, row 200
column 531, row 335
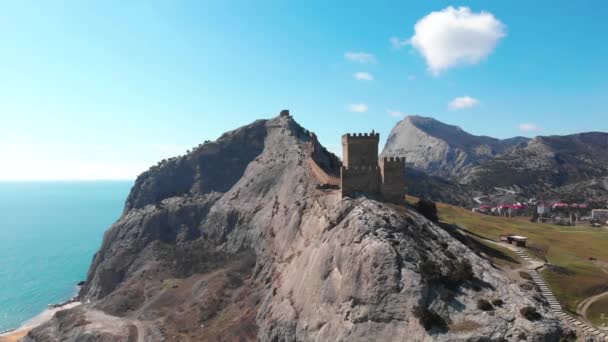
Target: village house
column 600, row 215
column 511, row 210
column 543, row 209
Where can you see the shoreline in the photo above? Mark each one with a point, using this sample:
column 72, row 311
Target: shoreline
column 15, row 334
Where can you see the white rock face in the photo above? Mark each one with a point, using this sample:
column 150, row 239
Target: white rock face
column 441, row 149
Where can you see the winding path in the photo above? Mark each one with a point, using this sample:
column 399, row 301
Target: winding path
column 478, row 199
column 512, row 192
column 582, row 328
column 532, row 265
column 113, row 324
column 583, row 306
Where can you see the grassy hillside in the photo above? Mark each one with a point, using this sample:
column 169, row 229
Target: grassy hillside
column 572, row 277
column 597, row 312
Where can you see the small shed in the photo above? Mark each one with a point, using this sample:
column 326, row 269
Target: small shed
column 517, row 240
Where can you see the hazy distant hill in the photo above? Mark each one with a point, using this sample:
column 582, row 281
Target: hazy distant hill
column 421, row 184
column 593, row 191
column 555, row 167
column 440, row 149
column 545, row 163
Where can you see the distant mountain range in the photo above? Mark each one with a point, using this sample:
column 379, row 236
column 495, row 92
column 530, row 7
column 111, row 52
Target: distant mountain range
column 549, row 167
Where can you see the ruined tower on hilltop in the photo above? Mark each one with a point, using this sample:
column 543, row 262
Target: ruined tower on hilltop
column 361, row 171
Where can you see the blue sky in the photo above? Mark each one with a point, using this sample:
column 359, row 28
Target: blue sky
column 98, row 90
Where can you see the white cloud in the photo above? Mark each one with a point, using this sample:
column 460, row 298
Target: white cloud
column 364, row 76
column 411, row 77
column 398, row 43
column 396, row 113
column 456, row 36
column 358, row 107
column 529, row 127
column 360, row 57
column 463, row 102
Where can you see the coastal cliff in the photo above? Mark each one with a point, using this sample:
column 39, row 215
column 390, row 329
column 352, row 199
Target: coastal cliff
column 235, row 241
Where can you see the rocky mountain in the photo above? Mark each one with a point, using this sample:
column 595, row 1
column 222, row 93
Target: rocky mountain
column 235, row 241
column 550, row 167
column 593, row 191
column 545, row 163
column 440, row 149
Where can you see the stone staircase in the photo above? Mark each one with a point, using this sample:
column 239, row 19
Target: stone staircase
column 582, row 328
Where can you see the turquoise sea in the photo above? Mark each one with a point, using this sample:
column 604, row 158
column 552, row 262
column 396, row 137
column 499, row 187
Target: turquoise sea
column 49, row 232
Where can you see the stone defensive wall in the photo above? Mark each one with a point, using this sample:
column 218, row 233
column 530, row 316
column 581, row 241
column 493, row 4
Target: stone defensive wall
column 317, row 170
column 321, row 175
column 360, row 178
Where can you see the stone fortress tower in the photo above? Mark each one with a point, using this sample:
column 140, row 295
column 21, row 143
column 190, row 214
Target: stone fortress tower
column 362, row 172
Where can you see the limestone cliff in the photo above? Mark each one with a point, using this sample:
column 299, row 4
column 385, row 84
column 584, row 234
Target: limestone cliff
column 440, row 149
column 234, row 241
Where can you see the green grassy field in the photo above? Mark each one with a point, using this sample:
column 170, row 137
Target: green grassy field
column 574, row 277
column 598, row 312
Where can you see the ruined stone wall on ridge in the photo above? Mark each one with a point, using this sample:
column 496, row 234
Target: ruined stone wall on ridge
column 321, row 175
column 323, row 165
column 392, row 170
column 360, row 149
column 360, row 179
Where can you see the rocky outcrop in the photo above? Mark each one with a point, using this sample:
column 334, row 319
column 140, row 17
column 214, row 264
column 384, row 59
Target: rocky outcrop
column 257, row 251
column 423, row 185
column 440, row 149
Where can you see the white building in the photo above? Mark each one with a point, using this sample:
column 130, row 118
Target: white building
column 543, row 209
column 600, row 215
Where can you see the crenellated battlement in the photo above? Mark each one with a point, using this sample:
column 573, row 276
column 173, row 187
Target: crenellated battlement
column 393, row 162
column 362, row 135
column 394, row 159
column 357, row 136
column 360, row 169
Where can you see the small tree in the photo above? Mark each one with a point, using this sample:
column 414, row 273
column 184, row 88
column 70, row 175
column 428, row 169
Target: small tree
column 429, row 319
column 530, row 313
column 484, row 305
column 497, row 302
column 428, row 209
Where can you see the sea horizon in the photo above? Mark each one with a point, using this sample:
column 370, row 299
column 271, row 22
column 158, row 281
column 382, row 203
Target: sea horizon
column 49, row 232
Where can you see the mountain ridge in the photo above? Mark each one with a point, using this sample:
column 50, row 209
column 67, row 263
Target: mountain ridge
column 531, row 167
column 441, row 149
column 269, row 256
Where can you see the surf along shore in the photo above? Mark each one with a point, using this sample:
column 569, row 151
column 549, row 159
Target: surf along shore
column 16, row 334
